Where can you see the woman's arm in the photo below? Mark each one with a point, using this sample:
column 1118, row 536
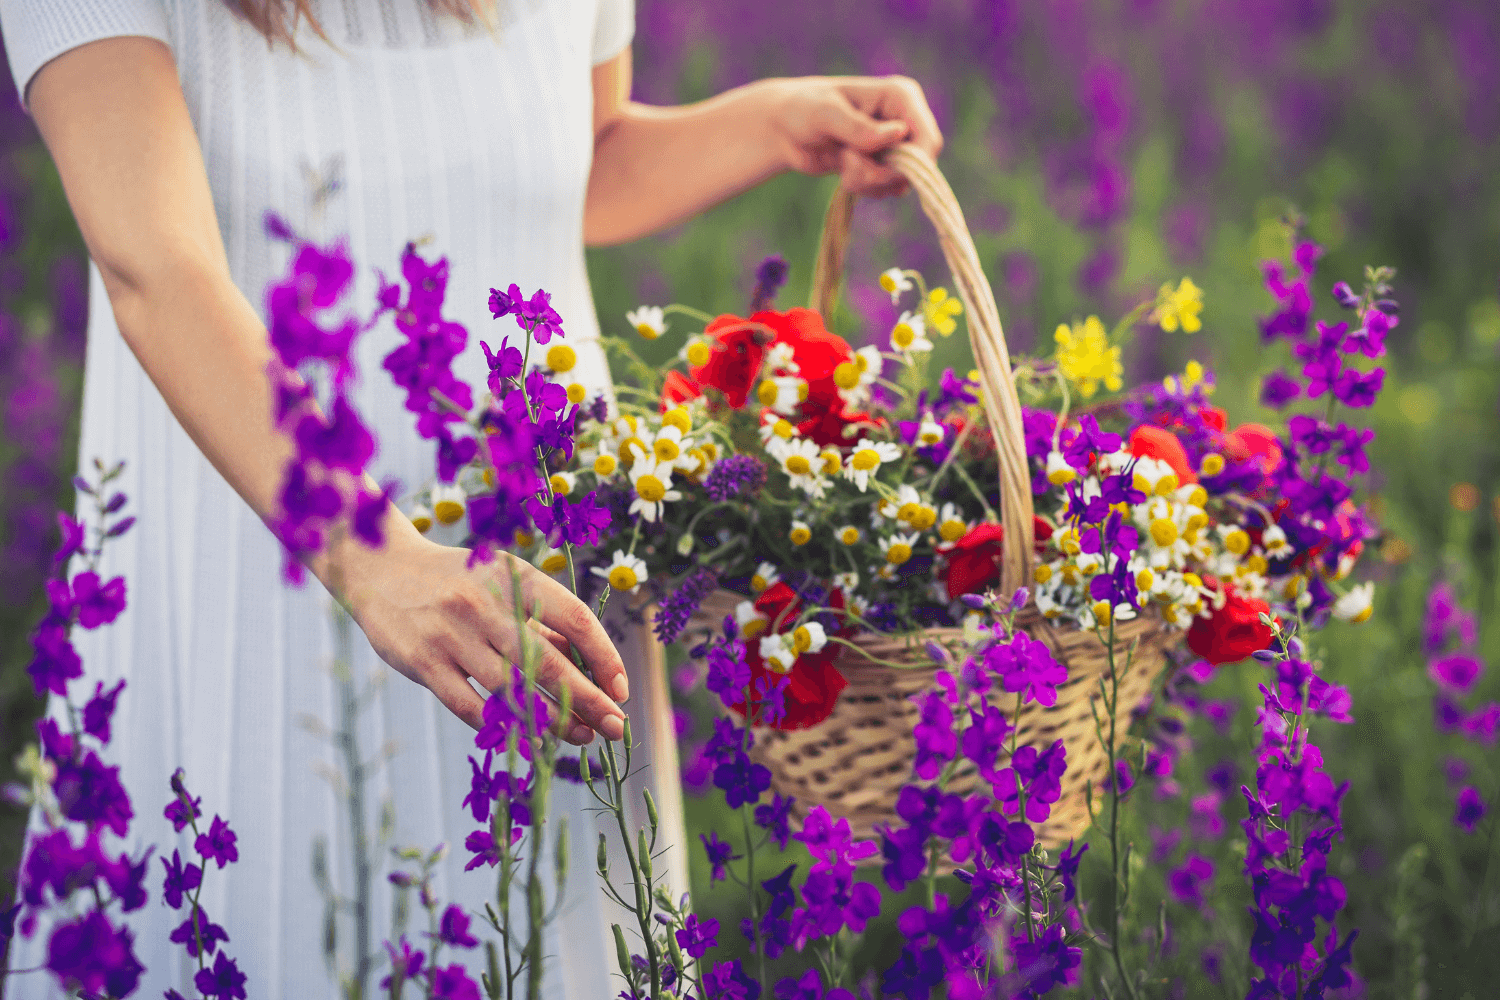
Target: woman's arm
column 654, row 167
column 113, row 117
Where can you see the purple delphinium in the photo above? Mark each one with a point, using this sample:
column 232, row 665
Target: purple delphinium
column 678, row 607
column 1471, row 809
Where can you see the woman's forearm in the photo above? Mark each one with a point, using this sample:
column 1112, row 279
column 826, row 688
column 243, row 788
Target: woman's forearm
column 203, row 346
column 654, row 167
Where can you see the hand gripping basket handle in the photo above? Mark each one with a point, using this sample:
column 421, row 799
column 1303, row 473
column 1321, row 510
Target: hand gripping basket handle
column 1001, row 404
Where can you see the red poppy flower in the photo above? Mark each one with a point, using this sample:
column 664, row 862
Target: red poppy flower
column 1214, row 417
column 1256, row 441
column 1235, row 630
column 974, row 560
column 679, row 388
column 814, row 684
column 1161, row 444
column 738, row 351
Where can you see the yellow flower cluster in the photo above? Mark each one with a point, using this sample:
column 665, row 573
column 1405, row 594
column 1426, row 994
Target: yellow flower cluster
column 1085, row 357
column 1178, row 309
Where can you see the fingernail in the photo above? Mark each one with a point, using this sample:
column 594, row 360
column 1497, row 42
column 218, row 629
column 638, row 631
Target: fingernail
column 613, row 727
column 620, row 689
column 579, row 733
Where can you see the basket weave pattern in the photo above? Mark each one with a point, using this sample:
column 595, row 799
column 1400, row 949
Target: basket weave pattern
column 855, row 763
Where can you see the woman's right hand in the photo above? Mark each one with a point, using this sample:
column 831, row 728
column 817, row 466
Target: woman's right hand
column 440, row 624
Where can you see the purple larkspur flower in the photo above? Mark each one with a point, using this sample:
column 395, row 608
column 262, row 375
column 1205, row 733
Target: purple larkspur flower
column 72, row 540
column 1026, row 666
column 720, row 854
column 1456, row 673
column 728, row 981
column 770, row 275
column 100, row 709
column 1046, row 962
column 576, row 522
column 936, row 742
column 1188, row 882
column 54, row 661
column 180, row 879
column 406, row 962
column 697, row 936
column 224, row 981
column 218, row 844
column 1358, row 390
column 1471, row 809
column 775, row 818
column 1279, row 389
column 199, row 928
column 88, row 791
column 1067, row 869
column 453, row 929
column 93, row 956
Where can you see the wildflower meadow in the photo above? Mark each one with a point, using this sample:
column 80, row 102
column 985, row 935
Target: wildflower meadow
column 1145, row 607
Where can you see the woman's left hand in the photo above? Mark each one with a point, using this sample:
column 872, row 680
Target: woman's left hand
column 838, row 124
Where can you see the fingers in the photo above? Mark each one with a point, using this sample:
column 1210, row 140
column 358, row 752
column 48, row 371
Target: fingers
column 559, row 642
column 482, row 661
column 861, row 175
column 452, row 688
column 558, row 609
column 858, row 130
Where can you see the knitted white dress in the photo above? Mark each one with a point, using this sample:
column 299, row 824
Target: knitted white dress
column 485, row 143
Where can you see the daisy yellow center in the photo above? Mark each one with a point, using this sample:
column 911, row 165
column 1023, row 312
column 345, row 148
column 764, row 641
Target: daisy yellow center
column 646, row 330
column 422, row 522
column 846, row 375
column 952, row 531
column 932, row 435
column 832, row 461
column 1213, row 464
column 849, row 535
column 802, row 639
column 1196, row 522
column 1042, row 573
column 1257, row 564
column 555, row 563
column 710, row 450
column 1163, row 532
column 924, row 518
column 650, row 489
column 623, row 578
column 898, row 553
column 576, row 393
column 1198, row 497
column 1166, row 485
column 559, row 484
column 903, row 335
column 865, row 460
column 1144, row 579
column 666, row 450
column 1102, row 612
column 907, row 511
column 604, row 465
column 782, row 429
column 862, row 363
column 888, row 282
column 758, row 583
column 767, row 393
column 1363, row 615
column 561, row 358
column 523, row 539
column 800, row 535
column 448, row 511
column 677, row 417
column 798, row 465
column 489, row 478
column 626, row 455
column 1237, row 541
column 698, row 354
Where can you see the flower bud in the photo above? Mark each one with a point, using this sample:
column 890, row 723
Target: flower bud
column 602, row 860
column 976, row 602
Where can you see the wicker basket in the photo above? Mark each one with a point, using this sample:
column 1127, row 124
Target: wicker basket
column 856, row 761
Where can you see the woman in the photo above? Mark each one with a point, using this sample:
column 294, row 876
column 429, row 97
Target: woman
column 175, row 124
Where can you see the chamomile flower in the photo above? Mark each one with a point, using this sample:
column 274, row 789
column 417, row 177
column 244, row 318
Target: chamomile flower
column 652, row 481
column 562, row 483
column 781, row 358
column 649, row 321
column 774, row 426
column 678, row 417
column 951, row 524
column 1357, row 605
column 448, row 502
column 908, row 501
column 848, row 534
column 930, row 432
column 909, row 335
column 895, row 281
column 1274, row 541
column 897, row 548
column 782, row 393
column 858, row 606
column 799, row 460
column 809, row 637
column 847, row 582
column 421, row 518
column 777, row 654
column 1059, row 472
column 696, row 352
column 866, row 460
column 625, row 572
column 764, row 577
column 800, row 533
column 551, row 560
column 667, row 445
column 750, row 621
column 855, row 376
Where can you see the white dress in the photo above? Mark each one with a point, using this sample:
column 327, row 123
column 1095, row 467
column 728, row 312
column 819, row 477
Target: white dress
column 484, row 143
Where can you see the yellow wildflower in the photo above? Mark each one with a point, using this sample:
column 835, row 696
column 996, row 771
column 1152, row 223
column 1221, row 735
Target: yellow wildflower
column 1085, row 357
column 1179, row 308
column 939, row 310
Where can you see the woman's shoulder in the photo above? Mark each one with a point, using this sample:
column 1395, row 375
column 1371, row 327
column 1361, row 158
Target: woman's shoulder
column 36, row 33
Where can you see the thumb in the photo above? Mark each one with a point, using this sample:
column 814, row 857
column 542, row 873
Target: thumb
column 857, row 130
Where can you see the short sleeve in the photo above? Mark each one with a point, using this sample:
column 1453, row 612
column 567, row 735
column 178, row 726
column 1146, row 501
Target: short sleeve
column 614, row 27
column 38, row 31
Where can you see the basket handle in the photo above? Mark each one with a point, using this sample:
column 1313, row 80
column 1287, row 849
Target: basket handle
column 998, row 388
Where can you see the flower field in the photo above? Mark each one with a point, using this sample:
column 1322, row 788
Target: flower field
column 1100, row 152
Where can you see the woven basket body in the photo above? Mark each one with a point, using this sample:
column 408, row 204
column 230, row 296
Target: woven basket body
column 855, row 762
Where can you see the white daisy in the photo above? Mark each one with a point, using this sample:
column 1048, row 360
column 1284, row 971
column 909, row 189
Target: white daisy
column 895, row 281
column 780, row 359
column 799, row 460
column 765, row 576
column 809, row 637
column 625, row 572
column 750, row 621
column 1357, row 605
column 777, row 654
column 866, row 460
column 909, row 335
column 649, row 321
column 652, row 481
